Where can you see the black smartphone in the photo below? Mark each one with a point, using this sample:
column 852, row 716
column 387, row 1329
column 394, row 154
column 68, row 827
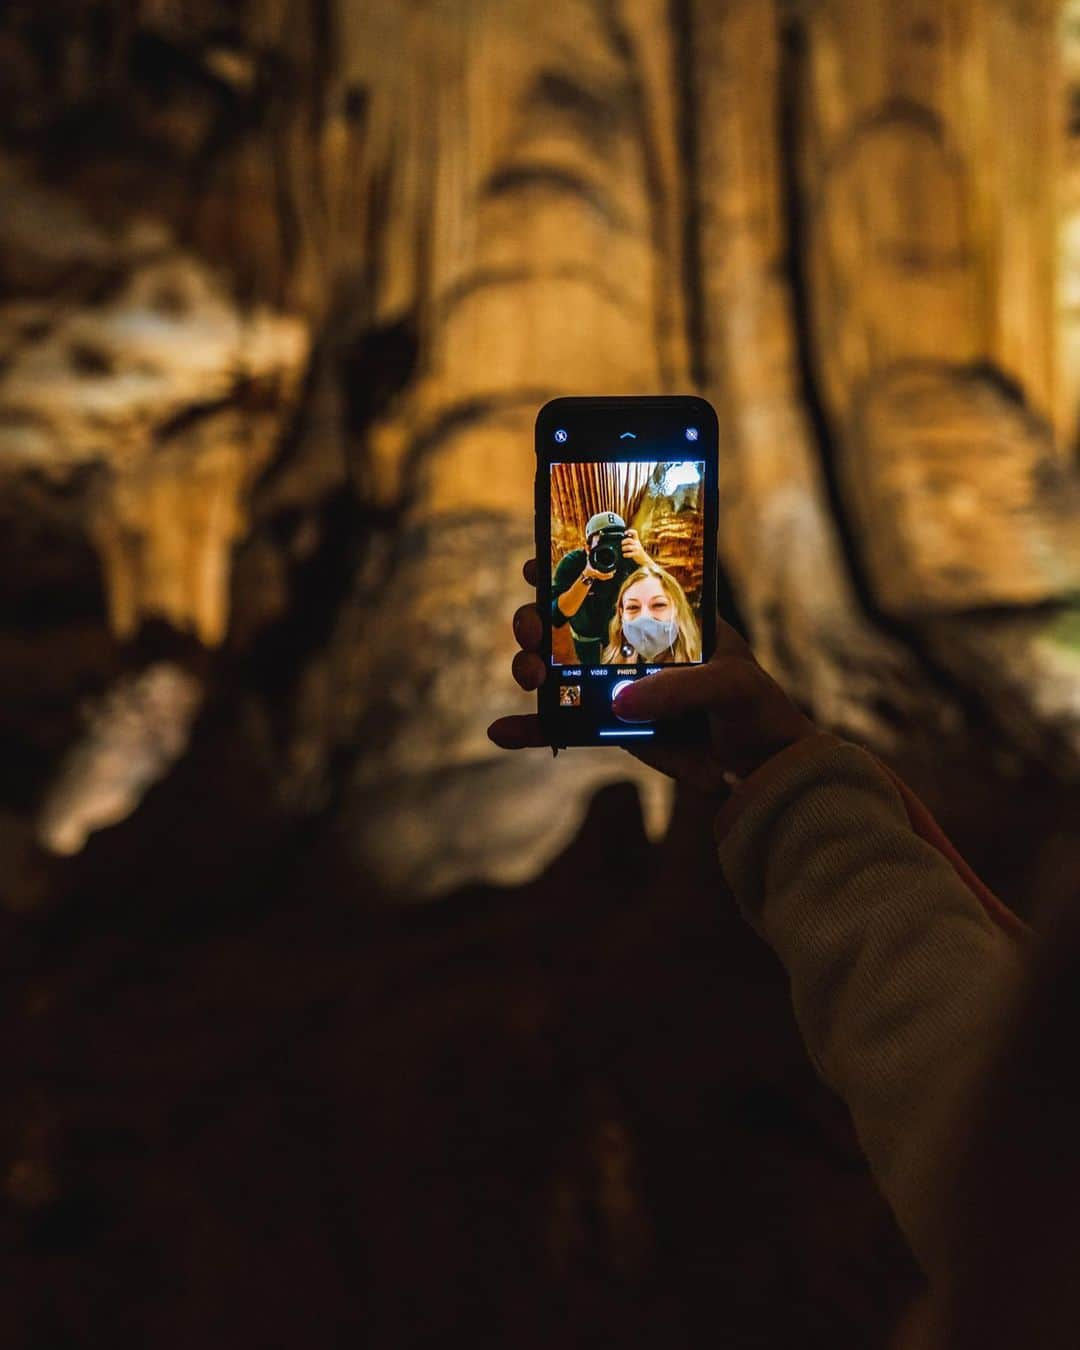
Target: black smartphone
column 626, row 523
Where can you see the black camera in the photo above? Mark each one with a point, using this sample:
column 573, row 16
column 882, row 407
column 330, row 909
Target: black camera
column 606, row 554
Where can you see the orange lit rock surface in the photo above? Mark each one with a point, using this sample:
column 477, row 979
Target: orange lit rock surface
column 276, row 323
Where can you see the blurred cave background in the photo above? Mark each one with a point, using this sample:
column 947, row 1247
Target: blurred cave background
column 323, row 1021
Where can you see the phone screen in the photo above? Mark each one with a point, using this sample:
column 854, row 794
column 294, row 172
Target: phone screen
column 626, row 517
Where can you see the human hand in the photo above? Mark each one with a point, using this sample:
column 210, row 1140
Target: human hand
column 593, row 575
column 634, row 549
column 748, row 715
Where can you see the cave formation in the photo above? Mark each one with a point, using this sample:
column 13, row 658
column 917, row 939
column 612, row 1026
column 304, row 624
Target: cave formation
column 281, row 290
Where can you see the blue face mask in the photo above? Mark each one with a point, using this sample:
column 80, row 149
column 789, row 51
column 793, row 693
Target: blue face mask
column 650, row 637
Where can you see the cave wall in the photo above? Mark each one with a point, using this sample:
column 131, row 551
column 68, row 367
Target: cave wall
column 282, row 286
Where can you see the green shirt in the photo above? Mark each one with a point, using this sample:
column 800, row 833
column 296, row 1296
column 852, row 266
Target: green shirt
column 593, row 619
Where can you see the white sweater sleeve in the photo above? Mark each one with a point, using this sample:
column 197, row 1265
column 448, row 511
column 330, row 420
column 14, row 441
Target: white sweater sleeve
column 900, row 979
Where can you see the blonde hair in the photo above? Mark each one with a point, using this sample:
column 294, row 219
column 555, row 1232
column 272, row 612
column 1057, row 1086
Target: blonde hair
column 687, row 644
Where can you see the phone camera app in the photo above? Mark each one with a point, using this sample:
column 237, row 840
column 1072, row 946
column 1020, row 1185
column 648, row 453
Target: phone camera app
column 627, row 573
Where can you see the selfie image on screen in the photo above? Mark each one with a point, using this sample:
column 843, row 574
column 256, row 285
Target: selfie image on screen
column 627, row 549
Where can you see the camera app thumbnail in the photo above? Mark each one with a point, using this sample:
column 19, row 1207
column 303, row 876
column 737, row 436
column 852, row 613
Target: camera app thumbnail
column 627, row 554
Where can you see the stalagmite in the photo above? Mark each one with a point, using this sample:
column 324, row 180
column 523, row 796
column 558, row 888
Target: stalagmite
column 133, row 738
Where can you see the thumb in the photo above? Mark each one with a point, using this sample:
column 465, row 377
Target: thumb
column 718, row 686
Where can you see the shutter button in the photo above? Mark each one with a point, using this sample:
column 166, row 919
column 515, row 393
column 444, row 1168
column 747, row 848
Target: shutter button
column 619, row 684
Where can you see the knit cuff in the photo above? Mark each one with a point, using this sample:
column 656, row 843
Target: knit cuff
column 777, row 766
column 785, row 765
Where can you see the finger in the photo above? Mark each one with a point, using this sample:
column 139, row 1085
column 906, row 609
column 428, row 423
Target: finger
column 529, row 571
column 723, row 682
column 674, row 760
column 528, row 627
column 516, row 733
column 529, row 670
column 687, row 765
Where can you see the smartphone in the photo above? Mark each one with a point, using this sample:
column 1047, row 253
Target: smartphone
column 626, row 524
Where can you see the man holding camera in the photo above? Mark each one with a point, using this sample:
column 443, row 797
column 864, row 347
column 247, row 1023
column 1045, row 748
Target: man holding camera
column 585, row 584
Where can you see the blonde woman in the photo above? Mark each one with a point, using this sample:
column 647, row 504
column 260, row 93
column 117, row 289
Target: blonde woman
column 652, row 622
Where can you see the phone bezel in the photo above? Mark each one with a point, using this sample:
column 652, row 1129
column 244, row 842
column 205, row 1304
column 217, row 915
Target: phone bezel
column 597, row 422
